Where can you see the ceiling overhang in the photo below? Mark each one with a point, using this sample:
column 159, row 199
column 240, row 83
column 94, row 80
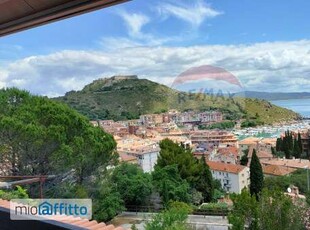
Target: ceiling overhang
column 18, row 15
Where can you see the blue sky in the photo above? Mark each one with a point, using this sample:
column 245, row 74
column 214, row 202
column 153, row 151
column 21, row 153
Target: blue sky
column 261, row 42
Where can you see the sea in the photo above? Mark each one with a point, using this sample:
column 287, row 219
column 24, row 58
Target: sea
column 301, row 106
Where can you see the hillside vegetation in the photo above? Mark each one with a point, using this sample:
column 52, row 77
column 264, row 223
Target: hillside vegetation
column 119, row 99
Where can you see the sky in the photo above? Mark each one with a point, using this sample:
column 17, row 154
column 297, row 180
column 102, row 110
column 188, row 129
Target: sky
column 265, row 44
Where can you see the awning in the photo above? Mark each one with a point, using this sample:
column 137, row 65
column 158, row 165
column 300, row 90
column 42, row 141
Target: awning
column 17, row 15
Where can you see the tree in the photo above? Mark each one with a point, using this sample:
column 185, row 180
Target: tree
column 299, row 142
column 195, row 172
column 244, row 159
column 204, row 182
column 134, row 186
column 297, row 178
column 256, row 176
column 41, row 136
column 170, row 219
column 290, row 145
column 279, row 145
column 107, row 204
column 273, row 209
column 296, row 149
column 170, row 185
column 245, row 211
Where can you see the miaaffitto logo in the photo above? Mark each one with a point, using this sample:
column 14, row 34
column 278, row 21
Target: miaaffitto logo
column 25, row 209
column 199, row 82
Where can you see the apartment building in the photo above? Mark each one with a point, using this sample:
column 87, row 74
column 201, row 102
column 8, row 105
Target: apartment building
column 229, row 155
column 151, row 119
column 233, row 177
column 212, row 139
column 207, row 117
column 196, row 117
column 261, row 145
column 249, row 142
column 145, row 151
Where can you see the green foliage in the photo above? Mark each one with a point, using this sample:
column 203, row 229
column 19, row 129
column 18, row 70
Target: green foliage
column 17, row 193
column 290, row 145
column 134, row 186
column 107, row 205
column 251, row 123
column 244, row 159
column 273, row 209
column 107, row 201
column 196, row 197
column 244, row 210
column 297, row 178
column 181, row 206
column 308, row 198
column 220, row 125
column 204, row 182
column 217, row 195
column 277, row 209
column 41, row 136
column 195, row 172
column 170, row 185
column 170, row 219
column 256, row 176
column 214, row 207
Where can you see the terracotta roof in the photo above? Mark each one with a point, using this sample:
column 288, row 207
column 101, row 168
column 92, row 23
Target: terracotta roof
column 127, row 158
column 271, row 141
column 249, row 141
column 277, row 170
column 260, row 154
column 69, row 221
column 291, row 163
column 229, row 150
column 223, row 167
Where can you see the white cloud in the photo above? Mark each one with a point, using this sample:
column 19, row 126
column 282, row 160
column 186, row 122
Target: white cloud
column 194, row 13
column 276, row 66
column 137, row 37
column 134, row 23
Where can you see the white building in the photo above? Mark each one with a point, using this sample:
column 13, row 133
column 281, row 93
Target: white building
column 146, row 152
column 233, row 177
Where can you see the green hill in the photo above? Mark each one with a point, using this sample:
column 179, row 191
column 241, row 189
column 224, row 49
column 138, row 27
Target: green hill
column 121, row 98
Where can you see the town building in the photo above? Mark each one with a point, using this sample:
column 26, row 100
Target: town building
column 229, row 155
column 214, row 138
column 145, row 151
column 196, row 118
column 151, row 119
column 233, row 177
column 277, row 170
column 305, row 140
column 288, row 163
column 247, row 143
column 261, row 154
